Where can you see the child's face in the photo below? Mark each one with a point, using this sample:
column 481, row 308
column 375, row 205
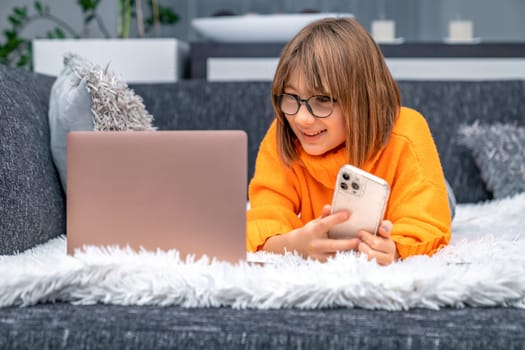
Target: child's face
column 316, row 135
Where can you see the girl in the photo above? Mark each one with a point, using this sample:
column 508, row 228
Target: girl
column 335, row 103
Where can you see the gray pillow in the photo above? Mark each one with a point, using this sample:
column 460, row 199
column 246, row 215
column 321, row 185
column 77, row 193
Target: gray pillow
column 88, row 97
column 499, row 152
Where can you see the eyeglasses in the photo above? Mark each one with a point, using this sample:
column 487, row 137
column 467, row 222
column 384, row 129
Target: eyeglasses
column 319, row 106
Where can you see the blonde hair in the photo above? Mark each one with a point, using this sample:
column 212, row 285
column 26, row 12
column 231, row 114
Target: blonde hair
column 337, row 57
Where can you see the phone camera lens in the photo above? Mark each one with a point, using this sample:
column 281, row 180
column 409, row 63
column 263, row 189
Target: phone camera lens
column 355, row 186
column 344, row 186
column 346, row 176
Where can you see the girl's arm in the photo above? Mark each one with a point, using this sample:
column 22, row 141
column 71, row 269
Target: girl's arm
column 273, row 221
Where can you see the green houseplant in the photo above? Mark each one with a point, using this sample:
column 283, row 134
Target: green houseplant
column 16, row 48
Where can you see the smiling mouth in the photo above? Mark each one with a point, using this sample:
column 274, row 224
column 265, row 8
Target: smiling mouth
column 312, row 134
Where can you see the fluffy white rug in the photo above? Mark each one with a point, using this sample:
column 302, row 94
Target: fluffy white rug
column 483, row 266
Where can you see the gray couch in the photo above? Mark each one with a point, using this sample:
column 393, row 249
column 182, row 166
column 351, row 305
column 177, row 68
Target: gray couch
column 32, row 210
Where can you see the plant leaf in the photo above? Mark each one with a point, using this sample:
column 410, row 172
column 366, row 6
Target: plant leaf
column 167, row 16
column 14, row 44
column 56, row 33
column 88, row 5
column 59, row 33
column 24, row 60
column 20, row 13
column 14, row 21
column 10, row 34
column 38, row 7
column 89, row 18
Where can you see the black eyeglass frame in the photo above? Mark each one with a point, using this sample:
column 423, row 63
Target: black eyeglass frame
column 306, row 101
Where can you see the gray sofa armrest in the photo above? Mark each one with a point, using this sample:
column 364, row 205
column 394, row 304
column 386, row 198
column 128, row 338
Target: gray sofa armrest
column 32, row 205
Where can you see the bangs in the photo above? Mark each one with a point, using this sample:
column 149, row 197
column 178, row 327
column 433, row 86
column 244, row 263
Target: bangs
column 316, row 66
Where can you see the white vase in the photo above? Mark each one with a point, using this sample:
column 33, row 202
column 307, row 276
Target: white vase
column 154, row 60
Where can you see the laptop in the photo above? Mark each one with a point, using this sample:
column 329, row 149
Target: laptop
column 183, row 190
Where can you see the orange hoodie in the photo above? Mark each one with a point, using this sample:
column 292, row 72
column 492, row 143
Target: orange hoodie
column 285, row 198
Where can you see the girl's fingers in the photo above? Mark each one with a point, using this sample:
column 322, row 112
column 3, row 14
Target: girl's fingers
column 381, row 258
column 331, row 246
column 385, row 228
column 326, row 210
column 321, row 247
column 379, row 247
column 377, row 242
column 323, row 224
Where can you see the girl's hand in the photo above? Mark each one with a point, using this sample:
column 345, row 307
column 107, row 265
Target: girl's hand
column 380, row 247
column 312, row 240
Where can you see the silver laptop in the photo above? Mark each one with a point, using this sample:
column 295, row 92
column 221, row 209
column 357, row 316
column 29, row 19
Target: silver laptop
column 183, row 190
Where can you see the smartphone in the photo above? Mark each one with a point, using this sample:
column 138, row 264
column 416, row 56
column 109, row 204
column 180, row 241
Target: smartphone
column 364, row 195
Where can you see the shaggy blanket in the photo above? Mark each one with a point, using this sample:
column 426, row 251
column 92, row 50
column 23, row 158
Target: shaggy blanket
column 484, row 265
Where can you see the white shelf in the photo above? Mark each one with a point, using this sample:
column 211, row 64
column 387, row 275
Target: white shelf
column 231, row 69
column 134, row 60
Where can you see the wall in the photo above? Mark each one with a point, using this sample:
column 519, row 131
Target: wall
column 501, row 20
column 66, row 10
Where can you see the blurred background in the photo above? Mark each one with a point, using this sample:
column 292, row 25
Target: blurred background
column 212, row 39
column 416, row 20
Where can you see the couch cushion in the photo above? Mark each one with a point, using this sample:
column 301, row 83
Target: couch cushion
column 102, row 326
column 32, row 208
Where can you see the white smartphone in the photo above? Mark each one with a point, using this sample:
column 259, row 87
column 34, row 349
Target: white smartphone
column 364, row 195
